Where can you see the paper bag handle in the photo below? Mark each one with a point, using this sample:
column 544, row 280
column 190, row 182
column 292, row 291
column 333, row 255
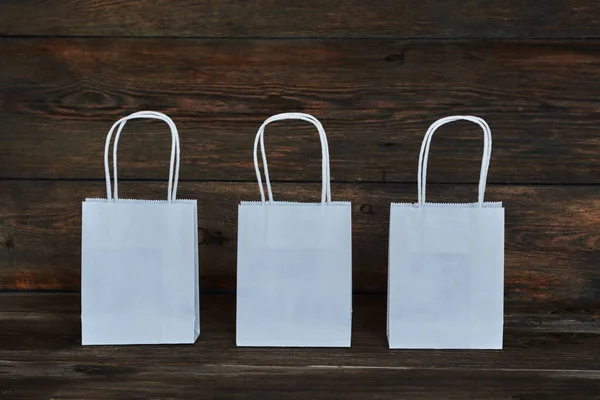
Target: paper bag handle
column 326, row 186
column 424, row 155
column 175, row 153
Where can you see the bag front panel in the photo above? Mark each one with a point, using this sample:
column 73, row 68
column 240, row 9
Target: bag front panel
column 294, row 275
column 139, row 262
column 446, row 277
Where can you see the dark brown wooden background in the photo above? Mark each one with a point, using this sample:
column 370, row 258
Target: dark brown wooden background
column 377, row 73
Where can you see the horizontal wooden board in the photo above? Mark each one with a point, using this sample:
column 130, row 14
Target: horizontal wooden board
column 310, row 18
column 58, row 98
column 149, row 380
column 549, row 352
column 552, row 232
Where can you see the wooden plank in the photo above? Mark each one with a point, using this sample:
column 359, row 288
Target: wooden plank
column 549, row 352
column 58, row 97
column 552, row 232
column 311, row 18
column 115, row 381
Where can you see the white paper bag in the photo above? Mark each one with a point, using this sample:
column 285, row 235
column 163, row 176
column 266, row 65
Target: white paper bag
column 139, row 261
column 294, row 277
column 446, row 266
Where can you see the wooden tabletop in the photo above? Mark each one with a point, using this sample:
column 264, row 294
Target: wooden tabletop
column 550, row 351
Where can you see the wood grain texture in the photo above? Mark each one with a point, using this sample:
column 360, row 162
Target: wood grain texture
column 58, row 98
column 310, row 18
column 377, row 74
column 550, row 351
column 552, row 233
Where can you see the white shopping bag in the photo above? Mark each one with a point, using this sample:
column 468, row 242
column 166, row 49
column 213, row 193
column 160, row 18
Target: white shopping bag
column 446, row 266
column 139, row 261
column 294, row 277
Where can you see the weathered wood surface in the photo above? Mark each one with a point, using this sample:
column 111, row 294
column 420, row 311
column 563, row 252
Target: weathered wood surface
column 310, row 18
column 58, row 98
column 550, row 351
column 552, row 232
column 377, row 74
